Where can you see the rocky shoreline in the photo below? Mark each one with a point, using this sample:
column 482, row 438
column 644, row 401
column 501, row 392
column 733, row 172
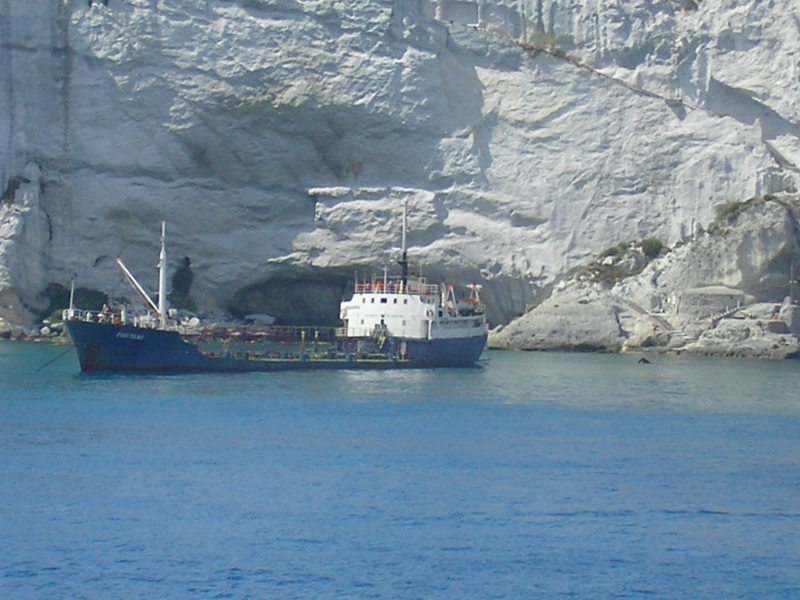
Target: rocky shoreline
column 594, row 326
column 48, row 332
column 737, row 336
column 728, row 291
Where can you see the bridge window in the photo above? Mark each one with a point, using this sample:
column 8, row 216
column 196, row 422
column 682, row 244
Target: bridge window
column 383, row 300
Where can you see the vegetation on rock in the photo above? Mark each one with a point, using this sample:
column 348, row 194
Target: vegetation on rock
column 627, row 259
column 181, row 287
column 85, row 299
column 651, row 247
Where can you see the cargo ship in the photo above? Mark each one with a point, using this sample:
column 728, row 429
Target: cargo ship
column 388, row 323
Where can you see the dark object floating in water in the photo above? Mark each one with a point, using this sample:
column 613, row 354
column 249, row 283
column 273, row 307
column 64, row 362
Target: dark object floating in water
column 644, row 361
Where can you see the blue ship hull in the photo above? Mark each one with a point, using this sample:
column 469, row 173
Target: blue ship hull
column 123, row 348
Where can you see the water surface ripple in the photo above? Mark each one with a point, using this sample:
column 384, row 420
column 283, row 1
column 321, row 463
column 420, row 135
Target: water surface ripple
column 535, row 475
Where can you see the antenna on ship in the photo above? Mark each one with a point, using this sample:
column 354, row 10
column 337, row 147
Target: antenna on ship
column 403, row 262
column 162, row 278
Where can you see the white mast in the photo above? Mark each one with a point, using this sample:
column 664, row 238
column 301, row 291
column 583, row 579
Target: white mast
column 71, row 294
column 405, row 226
column 403, row 262
column 162, row 278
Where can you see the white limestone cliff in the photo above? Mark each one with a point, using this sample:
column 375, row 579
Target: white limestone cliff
column 526, row 136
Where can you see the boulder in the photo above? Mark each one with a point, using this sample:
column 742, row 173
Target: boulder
column 572, row 321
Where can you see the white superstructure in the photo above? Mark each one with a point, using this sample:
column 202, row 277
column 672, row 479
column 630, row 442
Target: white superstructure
column 412, row 309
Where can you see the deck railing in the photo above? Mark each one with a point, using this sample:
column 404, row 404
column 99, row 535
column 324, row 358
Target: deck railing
column 290, row 333
column 116, row 318
column 91, row 316
column 397, row 287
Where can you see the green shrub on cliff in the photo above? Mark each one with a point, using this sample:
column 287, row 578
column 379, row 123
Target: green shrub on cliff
column 730, row 210
column 85, row 299
column 651, row 247
column 181, row 287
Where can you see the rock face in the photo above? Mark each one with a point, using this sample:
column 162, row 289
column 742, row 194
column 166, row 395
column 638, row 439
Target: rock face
column 578, row 320
column 280, row 138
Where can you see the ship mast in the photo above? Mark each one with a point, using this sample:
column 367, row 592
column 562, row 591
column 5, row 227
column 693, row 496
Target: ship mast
column 161, row 309
column 162, row 279
column 403, row 262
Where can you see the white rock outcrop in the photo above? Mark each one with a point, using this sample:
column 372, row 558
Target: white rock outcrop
column 731, row 291
column 24, row 231
column 526, row 136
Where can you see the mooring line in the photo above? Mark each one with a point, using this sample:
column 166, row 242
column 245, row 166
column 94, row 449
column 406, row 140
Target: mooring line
column 50, row 362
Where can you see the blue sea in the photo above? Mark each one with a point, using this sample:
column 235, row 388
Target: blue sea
column 534, row 475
